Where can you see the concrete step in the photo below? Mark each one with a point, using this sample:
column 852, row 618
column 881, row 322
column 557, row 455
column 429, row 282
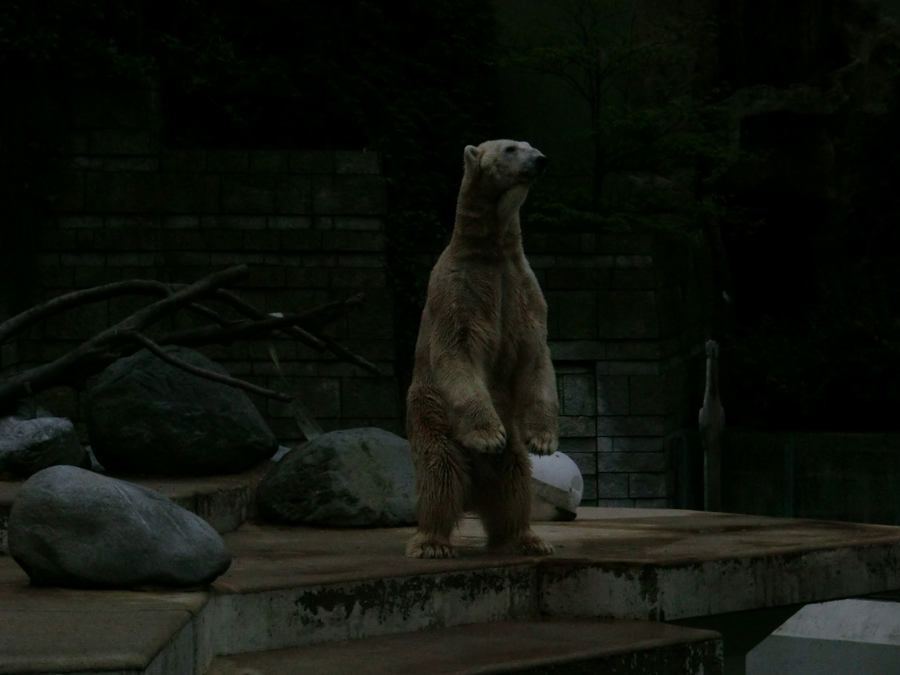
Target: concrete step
column 52, row 630
column 296, row 587
column 225, row 502
column 561, row 647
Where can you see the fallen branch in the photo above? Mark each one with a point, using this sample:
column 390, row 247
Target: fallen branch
column 256, row 329
column 63, row 303
column 345, row 354
column 252, row 312
column 203, row 372
column 129, row 335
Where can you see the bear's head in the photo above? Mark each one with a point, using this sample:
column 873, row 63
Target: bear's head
column 498, row 166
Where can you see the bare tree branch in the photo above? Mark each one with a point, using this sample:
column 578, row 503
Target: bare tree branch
column 179, row 299
column 93, row 355
column 342, row 352
column 67, row 301
column 252, row 312
column 128, row 335
column 261, row 328
column 151, row 346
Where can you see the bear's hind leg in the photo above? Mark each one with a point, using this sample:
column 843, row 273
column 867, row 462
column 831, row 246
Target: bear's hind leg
column 442, row 485
column 440, row 497
column 502, row 498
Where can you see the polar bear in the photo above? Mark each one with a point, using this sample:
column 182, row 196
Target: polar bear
column 483, row 391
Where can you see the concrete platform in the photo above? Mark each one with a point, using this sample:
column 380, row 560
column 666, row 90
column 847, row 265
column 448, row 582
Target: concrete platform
column 295, row 587
column 66, row 631
column 536, row 647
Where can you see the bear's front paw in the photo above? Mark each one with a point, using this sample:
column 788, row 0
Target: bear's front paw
column 541, row 442
column 485, row 439
column 423, row 547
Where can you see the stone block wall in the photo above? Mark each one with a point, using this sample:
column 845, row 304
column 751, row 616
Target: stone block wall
column 851, row 477
column 628, row 314
column 627, row 322
column 308, row 224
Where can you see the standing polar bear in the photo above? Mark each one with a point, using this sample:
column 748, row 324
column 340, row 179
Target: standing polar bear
column 483, row 392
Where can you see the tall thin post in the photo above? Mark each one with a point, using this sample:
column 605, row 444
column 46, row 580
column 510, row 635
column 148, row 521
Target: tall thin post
column 712, row 426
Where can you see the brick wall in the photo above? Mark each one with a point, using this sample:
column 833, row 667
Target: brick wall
column 628, row 313
column 627, row 322
column 308, row 224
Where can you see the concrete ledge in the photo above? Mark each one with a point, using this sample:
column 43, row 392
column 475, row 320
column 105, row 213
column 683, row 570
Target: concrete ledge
column 712, row 563
column 225, row 502
column 65, row 631
column 297, row 587
column 533, row 647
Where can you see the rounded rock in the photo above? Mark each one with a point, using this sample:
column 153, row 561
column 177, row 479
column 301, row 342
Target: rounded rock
column 147, row 416
column 74, row 528
column 29, row 445
column 350, row 478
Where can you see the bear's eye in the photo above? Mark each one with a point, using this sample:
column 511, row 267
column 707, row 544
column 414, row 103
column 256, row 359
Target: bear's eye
column 509, row 148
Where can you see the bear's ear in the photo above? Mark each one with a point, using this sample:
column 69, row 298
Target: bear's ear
column 472, row 156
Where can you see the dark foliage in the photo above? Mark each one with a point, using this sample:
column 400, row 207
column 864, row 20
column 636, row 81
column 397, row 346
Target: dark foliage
column 817, row 288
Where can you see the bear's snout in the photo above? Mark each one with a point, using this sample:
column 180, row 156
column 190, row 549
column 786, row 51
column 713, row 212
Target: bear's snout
column 535, row 168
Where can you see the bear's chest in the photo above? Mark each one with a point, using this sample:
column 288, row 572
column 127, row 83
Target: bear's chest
column 502, row 298
column 513, row 315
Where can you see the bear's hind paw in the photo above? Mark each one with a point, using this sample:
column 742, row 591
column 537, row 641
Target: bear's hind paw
column 420, row 547
column 533, row 545
column 529, row 544
column 542, row 443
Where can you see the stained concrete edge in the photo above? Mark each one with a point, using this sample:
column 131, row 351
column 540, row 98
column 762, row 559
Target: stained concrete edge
column 535, row 645
column 49, row 630
column 695, row 589
column 295, row 617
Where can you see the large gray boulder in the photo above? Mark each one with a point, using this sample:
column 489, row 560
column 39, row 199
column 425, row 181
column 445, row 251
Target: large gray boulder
column 75, row 528
column 146, row 416
column 31, row 440
column 353, row 478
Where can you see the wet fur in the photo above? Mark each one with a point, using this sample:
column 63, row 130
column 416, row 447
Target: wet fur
column 483, row 391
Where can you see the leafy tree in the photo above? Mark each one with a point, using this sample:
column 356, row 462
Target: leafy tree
column 633, row 73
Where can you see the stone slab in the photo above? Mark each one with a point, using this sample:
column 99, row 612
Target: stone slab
column 533, row 647
column 845, row 637
column 48, row 630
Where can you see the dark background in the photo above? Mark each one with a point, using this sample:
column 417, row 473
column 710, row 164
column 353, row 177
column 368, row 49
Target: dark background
column 806, row 215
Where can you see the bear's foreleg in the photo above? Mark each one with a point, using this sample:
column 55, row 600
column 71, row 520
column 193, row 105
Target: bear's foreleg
column 501, row 496
column 475, row 422
column 442, row 478
column 535, row 393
